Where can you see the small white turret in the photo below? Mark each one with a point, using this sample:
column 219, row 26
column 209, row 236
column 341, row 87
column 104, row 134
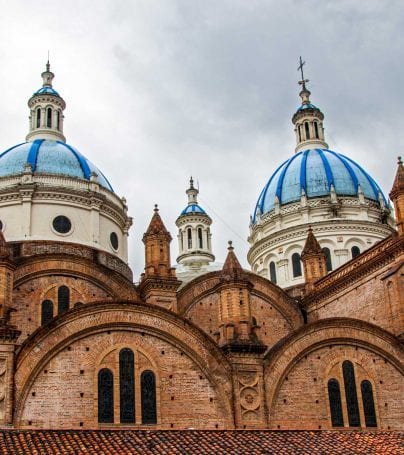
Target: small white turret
column 308, row 120
column 194, row 237
column 46, row 111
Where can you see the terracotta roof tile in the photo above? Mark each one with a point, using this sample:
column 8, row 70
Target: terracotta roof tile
column 187, row 442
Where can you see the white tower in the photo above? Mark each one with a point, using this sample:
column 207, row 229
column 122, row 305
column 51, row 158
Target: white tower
column 46, row 111
column 194, row 237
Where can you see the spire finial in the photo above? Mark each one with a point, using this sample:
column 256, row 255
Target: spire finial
column 303, row 81
column 399, row 161
column 191, row 183
column 48, row 64
column 230, row 247
column 156, row 208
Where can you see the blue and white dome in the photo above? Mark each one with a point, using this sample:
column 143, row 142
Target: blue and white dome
column 46, row 90
column 193, row 209
column 49, row 157
column 315, row 171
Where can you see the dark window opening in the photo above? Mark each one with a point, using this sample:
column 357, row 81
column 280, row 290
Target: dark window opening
column 368, row 404
column 296, row 265
column 299, row 130
column 38, row 117
column 49, row 117
column 58, row 120
column 63, row 299
column 350, row 393
column 62, row 224
column 334, row 396
column 105, row 396
column 200, row 237
column 272, row 272
column 316, row 130
column 355, row 251
column 127, row 386
column 306, row 129
column 189, row 234
column 148, row 387
column 328, row 261
column 46, row 311
column 114, row 240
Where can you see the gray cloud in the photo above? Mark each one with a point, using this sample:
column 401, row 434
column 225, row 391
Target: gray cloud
column 159, row 91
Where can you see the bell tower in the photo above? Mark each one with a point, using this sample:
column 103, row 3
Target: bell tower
column 308, row 119
column 194, row 237
column 46, row 111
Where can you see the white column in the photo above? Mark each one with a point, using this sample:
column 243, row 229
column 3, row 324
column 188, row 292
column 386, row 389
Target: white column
column 341, row 256
column 282, row 268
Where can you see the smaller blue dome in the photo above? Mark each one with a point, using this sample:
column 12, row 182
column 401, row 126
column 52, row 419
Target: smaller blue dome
column 306, row 106
column 192, row 209
column 47, row 91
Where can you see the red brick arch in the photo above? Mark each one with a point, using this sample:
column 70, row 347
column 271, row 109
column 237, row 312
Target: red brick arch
column 107, row 280
column 79, row 323
column 202, row 286
column 286, row 354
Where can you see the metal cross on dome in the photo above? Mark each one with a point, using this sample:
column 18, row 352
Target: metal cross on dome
column 300, row 68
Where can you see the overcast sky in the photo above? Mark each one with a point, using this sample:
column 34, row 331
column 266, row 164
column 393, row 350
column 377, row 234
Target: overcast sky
column 157, row 91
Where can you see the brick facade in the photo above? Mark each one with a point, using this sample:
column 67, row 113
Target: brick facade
column 228, row 350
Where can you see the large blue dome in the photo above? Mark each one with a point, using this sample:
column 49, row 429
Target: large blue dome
column 315, row 171
column 49, row 157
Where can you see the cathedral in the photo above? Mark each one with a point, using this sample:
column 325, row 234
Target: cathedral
column 309, row 339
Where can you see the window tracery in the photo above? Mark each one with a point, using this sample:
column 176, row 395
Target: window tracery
column 130, row 376
column 344, row 383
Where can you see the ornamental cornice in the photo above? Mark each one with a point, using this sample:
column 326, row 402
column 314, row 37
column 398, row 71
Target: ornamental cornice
column 299, row 232
column 189, row 219
column 313, row 203
column 78, row 196
column 371, row 260
column 23, row 251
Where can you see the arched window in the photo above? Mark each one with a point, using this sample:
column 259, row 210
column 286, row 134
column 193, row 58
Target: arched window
column 38, row 117
column 355, row 251
column 299, row 130
column 63, row 299
column 350, row 393
column 105, row 396
column 182, row 240
column 296, row 265
column 200, row 238
column 272, row 272
column 49, row 117
column 127, row 386
column 328, row 262
column 306, row 129
column 46, row 311
column 334, row 396
column 58, row 120
column 368, row 404
column 316, row 130
column 148, row 387
column 189, row 234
